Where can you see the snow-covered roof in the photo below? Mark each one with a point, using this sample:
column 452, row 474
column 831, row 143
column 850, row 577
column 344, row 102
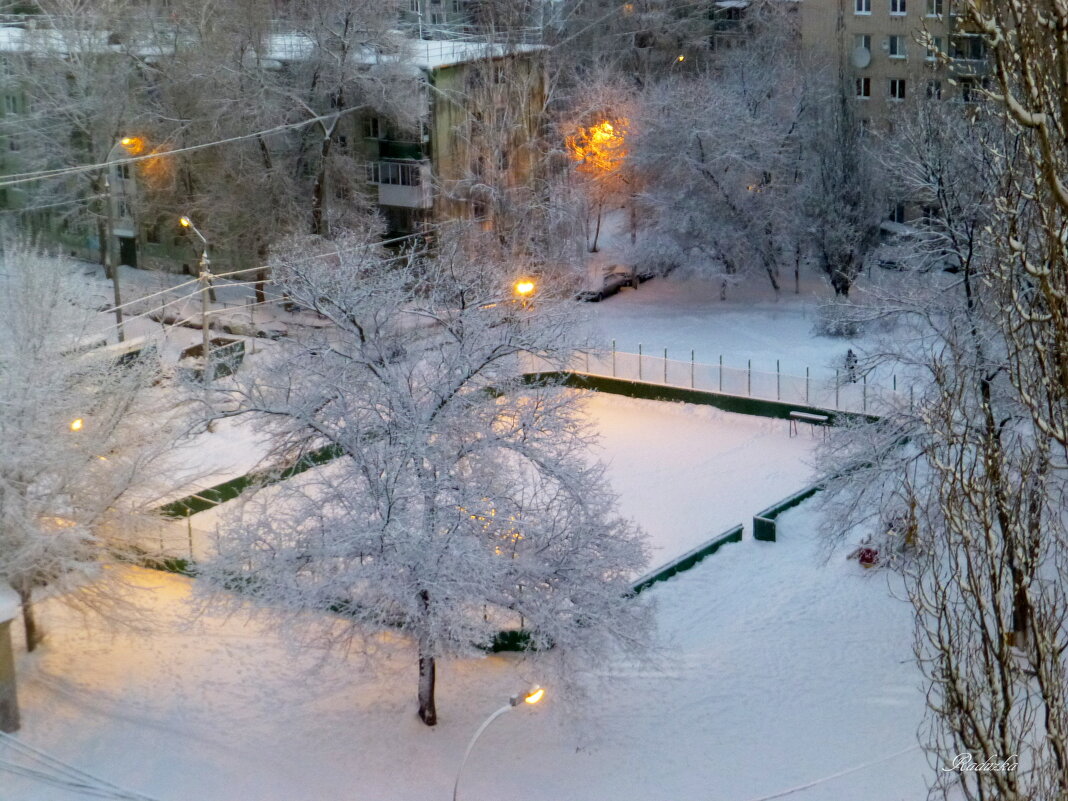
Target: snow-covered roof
column 425, row 54
column 732, row 4
column 9, row 602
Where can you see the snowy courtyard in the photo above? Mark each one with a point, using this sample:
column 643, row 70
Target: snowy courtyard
column 777, row 670
column 774, row 669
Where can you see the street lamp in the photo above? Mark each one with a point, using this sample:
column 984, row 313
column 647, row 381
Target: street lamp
column 77, row 424
column 206, row 294
column 529, row 698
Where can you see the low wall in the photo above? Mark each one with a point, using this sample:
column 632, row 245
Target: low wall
column 687, row 560
column 764, row 527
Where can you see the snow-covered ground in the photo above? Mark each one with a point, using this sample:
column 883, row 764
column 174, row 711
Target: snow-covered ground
column 682, row 312
column 779, row 670
column 687, row 473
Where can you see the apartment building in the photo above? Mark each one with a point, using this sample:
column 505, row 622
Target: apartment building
column 476, row 103
column 889, row 52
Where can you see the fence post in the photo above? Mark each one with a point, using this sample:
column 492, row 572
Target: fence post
column 836, row 388
column 910, row 396
column 691, row 370
column 587, row 352
column 721, row 372
column 665, row 365
column 806, row 387
column 189, row 530
column 778, row 381
column 864, row 392
column 613, row 358
column 639, row 361
column 749, row 377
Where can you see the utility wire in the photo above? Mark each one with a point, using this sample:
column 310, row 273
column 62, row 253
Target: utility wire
column 28, row 177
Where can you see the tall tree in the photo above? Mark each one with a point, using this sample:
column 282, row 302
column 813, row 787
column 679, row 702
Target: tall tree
column 78, row 436
column 462, row 498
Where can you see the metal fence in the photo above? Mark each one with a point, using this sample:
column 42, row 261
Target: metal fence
column 174, row 539
column 844, row 392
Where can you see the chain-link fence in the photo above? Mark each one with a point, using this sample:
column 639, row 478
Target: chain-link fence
column 847, row 391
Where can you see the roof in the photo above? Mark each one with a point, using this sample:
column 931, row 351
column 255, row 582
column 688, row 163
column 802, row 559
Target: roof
column 425, row 54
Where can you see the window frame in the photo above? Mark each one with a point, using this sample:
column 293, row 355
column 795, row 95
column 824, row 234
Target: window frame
column 898, row 8
column 897, row 90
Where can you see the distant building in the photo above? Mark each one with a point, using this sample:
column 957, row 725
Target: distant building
column 478, row 105
column 892, row 51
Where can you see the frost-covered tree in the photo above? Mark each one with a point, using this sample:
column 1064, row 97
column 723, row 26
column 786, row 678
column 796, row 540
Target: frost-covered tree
column 721, row 154
column 461, row 498
column 973, row 480
column 78, row 434
column 840, row 198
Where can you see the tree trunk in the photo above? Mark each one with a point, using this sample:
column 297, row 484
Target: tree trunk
column 597, row 230
column 34, row 635
column 428, row 712
column 319, row 221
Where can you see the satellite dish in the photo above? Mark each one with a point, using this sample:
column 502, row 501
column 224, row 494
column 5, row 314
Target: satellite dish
column 861, row 57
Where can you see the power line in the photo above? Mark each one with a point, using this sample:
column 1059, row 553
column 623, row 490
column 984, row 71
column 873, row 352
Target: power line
column 52, row 770
column 28, row 177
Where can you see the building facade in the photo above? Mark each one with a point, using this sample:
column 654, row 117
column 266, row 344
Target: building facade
column 890, row 52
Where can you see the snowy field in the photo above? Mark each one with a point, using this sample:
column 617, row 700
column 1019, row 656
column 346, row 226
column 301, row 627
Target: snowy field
column 685, row 473
column 779, row 670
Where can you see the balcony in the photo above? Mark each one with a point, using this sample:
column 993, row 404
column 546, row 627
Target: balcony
column 402, row 183
column 395, row 149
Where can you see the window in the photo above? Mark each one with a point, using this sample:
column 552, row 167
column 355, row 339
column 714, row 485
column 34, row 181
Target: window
column 372, row 128
column 897, row 88
column 934, row 8
column 124, row 171
column 896, row 47
column 863, row 88
column 862, row 40
column 897, row 213
column 13, row 143
column 413, row 6
column 934, row 48
column 897, row 7
column 861, row 6
column 11, row 104
column 393, row 173
column 968, row 47
column 934, row 90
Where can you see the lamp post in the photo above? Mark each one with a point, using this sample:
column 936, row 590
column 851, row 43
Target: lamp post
column 531, row 697
column 207, row 293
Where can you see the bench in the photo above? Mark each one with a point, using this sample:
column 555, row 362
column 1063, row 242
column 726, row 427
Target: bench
column 806, row 417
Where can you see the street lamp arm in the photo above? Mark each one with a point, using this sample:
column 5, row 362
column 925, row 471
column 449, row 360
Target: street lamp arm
column 471, row 745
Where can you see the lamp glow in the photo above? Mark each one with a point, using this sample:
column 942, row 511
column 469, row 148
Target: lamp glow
column 524, row 288
column 534, row 695
column 77, row 424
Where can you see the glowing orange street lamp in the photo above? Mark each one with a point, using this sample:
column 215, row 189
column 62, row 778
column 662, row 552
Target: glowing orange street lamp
column 524, row 288
column 77, row 424
column 530, row 697
column 132, row 144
